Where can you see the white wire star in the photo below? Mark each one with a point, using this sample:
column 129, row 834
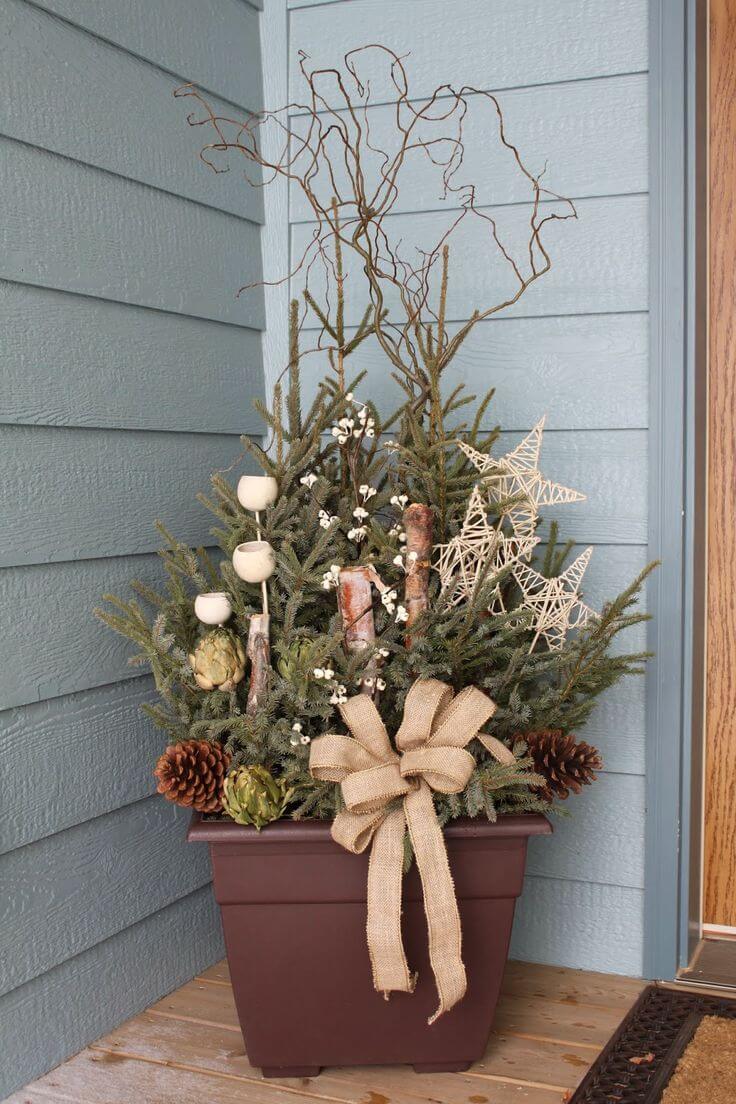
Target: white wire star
column 515, row 479
column 479, row 550
column 554, row 602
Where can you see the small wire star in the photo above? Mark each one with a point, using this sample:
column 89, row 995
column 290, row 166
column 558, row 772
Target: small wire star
column 554, row 602
column 515, row 479
column 479, row 550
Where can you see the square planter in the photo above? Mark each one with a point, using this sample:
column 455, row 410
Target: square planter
column 293, row 906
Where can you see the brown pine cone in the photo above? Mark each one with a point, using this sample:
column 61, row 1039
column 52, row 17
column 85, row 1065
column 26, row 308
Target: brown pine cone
column 192, row 774
column 565, row 763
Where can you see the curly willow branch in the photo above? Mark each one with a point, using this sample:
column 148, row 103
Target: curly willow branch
column 352, row 185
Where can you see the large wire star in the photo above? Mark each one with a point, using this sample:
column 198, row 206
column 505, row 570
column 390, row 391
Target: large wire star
column 554, row 602
column 515, row 480
column 479, row 550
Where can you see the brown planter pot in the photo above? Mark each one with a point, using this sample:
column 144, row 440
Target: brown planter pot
column 294, row 912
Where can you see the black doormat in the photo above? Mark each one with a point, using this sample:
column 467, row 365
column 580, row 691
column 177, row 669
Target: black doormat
column 639, row 1059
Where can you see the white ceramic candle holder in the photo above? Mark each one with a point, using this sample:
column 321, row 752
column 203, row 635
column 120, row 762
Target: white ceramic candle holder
column 256, row 492
column 213, row 608
column 254, row 561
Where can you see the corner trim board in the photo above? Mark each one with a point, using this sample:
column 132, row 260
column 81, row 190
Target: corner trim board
column 675, row 349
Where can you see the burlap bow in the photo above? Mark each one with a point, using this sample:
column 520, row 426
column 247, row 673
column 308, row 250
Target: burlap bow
column 431, row 756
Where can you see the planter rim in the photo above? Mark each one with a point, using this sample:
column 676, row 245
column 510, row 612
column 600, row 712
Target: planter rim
column 305, row 831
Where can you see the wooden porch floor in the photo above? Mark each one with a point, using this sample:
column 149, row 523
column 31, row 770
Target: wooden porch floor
column 187, row 1049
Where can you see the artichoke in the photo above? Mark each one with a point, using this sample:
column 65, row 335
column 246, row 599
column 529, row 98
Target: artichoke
column 296, row 664
column 218, row 661
column 252, row 795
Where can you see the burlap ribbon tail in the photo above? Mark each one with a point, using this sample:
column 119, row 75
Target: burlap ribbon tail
column 387, row 791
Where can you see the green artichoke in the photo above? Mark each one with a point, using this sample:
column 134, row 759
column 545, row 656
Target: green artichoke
column 296, row 664
column 218, row 661
column 252, row 795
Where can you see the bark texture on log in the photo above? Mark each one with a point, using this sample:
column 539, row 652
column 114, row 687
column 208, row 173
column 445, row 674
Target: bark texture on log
column 259, row 653
column 355, row 598
column 418, row 524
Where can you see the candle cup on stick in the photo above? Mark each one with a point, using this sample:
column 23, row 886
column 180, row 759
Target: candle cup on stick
column 213, row 608
column 255, row 562
column 256, row 492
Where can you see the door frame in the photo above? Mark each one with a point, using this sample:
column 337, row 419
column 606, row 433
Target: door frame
column 677, row 481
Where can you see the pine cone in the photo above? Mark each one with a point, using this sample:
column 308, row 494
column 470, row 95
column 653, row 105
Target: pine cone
column 566, row 764
column 192, row 774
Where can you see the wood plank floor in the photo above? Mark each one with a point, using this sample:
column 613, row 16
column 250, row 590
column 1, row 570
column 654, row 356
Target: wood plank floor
column 187, row 1049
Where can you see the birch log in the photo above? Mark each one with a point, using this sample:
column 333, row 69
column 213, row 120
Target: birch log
column 355, row 598
column 418, row 529
column 259, row 653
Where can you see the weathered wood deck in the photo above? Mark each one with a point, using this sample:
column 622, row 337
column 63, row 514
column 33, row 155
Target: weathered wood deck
column 187, row 1049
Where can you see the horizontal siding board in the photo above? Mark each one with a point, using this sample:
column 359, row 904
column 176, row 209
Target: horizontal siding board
column 58, row 1013
column 610, row 467
column 95, row 493
column 617, row 727
column 493, row 44
column 580, row 925
column 76, row 745
column 87, row 493
column 80, row 652
column 590, row 371
column 72, row 360
column 132, row 125
column 599, row 262
column 602, row 838
column 213, row 43
column 591, row 135
column 75, row 228
column 67, row 892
